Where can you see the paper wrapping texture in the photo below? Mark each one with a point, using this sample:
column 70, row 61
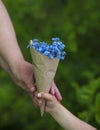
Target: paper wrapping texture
column 44, row 71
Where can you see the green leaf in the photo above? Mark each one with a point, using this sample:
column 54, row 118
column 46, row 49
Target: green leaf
column 97, row 108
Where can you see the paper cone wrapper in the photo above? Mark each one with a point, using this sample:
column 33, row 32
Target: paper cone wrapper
column 44, row 71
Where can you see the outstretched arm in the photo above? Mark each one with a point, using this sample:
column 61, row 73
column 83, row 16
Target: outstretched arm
column 11, row 58
column 65, row 118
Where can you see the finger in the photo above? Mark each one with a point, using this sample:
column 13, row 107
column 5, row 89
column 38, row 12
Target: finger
column 45, row 96
column 31, row 87
column 52, row 90
column 35, row 100
column 57, row 94
column 38, row 102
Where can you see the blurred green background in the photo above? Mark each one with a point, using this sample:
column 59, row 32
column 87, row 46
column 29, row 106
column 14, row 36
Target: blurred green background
column 77, row 23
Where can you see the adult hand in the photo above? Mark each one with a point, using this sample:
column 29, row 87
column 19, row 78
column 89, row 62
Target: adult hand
column 23, row 75
column 55, row 91
column 25, row 79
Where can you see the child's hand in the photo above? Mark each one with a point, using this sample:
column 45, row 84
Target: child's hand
column 51, row 101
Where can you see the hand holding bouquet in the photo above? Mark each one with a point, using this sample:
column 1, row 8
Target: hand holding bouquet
column 45, row 59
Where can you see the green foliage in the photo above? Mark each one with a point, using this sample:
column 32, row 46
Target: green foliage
column 88, row 96
column 78, row 76
column 97, row 110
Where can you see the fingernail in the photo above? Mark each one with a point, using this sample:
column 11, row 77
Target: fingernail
column 39, row 95
column 32, row 89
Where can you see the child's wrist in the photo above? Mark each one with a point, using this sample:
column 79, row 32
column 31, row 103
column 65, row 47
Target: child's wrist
column 56, row 109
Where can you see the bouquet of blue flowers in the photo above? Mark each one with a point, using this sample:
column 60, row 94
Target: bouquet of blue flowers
column 45, row 59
